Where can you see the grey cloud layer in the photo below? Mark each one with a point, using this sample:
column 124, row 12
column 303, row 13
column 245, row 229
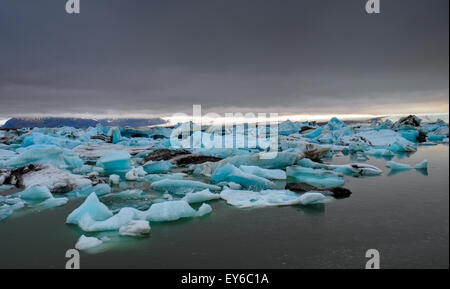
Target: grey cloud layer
column 163, row 56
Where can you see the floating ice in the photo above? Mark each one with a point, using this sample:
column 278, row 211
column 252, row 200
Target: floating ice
column 58, row 181
column 154, row 178
column 158, row 167
column 115, row 161
column 7, row 210
column 91, row 207
column 264, row 173
column 379, row 152
column 316, row 177
column 53, row 202
column 384, row 138
column 170, row 211
column 45, row 154
column 201, row 196
column 181, row 186
column 35, row 193
column 354, row 169
column 204, row 210
column 251, row 199
column 123, row 217
column 422, row 166
column 229, row 173
column 36, row 138
column 135, row 174
column 100, row 190
column 114, row 179
column 397, row 166
column 135, row 228
column 85, row 243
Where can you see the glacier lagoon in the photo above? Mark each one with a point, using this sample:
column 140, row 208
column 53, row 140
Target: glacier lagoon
column 401, row 213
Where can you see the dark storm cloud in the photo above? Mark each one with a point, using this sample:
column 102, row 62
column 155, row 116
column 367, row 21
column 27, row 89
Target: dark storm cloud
column 313, row 56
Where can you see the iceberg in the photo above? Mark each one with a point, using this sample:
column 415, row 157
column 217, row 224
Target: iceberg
column 7, row 210
column 170, row 211
column 229, row 173
column 316, row 177
column 114, row 179
column 100, row 190
column 270, row 174
column 45, row 154
column 353, row 169
column 135, row 174
column 53, row 202
column 201, row 196
column 384, row 138
column 397, row 166
column 115, row 161
column 56, row 180
column 85, row 243
column 91, row 207
column 157, row 167
column 181, row 187
column 422, row 166
column 135, row 228
column 267, row 198
column 36, row 138
column 35, row 193
column 113, row 223
column 204, row 209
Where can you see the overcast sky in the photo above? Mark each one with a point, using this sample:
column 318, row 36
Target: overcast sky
column 129, row 57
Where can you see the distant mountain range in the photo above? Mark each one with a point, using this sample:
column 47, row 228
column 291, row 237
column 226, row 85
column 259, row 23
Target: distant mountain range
column 15, row 123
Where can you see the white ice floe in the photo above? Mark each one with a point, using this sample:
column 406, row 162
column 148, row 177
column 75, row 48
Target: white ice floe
column 267, row 198
column 135, row 174
column 182, row 186
column 397, row 166
column 86, row 243
column 201, row 196
column 422, row 165
column 135, row 228
column 57, row 180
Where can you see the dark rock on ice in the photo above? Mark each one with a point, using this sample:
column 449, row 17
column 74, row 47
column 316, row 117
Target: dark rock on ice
column 338, row 193
column 164, row 155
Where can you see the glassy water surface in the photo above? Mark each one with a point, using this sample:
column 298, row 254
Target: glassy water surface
column 404, row 216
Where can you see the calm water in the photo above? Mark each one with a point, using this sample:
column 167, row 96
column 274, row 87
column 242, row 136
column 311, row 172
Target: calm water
column 405, row 216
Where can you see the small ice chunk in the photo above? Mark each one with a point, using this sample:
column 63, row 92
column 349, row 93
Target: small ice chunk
column 114, row 179
column 123, row 217
column 135, row 228
column 100, row 190
column 316, row 177
column 135, row 174
column 270, row 174
column 56, row 180
column 115, row 161
column 266, row 198
column 91, row 207
column 199, row 197
column 312, row 197
column 35, row 193
column 422, row 166
column 230, row 173
column 182, row 186
column 170, row 211
column 157, row 167
column 397, row 166
column 85, row 243
column 53, row 202
column 203, row 210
